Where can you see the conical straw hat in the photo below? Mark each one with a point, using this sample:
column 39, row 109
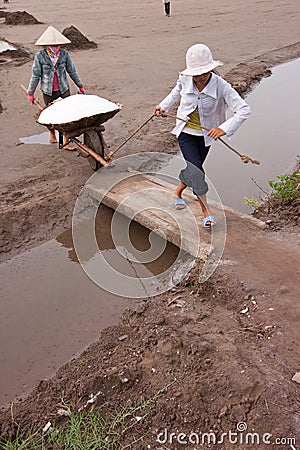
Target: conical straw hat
column 52, row 37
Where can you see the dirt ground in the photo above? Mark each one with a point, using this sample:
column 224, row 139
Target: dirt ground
column 225, row 366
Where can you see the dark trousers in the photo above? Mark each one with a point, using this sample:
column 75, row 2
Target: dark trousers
column 194, row 152
column 167, row 8
column 55, row 95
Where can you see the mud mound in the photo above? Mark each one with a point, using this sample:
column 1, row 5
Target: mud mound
column 78, row 40
column 20, row 18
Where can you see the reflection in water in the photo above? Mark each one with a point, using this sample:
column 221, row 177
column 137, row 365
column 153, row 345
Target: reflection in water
column 50, row 309
column 269, row 135
column 124, row 253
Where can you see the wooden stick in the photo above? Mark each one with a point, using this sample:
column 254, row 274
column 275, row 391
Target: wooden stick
column 88, row 150
column 244, row 158
column 110, row 155
column 36, row 102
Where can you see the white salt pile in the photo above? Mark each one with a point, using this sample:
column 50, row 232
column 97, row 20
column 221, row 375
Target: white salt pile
column 76, row 107
column 5, row 46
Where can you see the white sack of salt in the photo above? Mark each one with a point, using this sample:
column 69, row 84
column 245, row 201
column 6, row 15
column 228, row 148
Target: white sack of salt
column 76, row 107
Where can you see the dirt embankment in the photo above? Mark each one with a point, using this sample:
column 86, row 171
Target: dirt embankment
column 223, row 368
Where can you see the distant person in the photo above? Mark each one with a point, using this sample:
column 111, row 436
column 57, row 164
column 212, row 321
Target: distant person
column 5, row 1
column 50, row 68
column 204, row 97
column 167, row 4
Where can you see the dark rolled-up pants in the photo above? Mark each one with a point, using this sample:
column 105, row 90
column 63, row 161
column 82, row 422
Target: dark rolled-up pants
column 194, row 152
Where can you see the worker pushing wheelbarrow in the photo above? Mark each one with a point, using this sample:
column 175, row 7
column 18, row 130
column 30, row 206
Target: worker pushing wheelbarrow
column 80, row 115
column 75, row 115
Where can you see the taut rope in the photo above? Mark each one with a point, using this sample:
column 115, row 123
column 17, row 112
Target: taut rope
column 126, row 140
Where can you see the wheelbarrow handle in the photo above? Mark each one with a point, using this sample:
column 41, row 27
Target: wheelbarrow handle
column 36, row 102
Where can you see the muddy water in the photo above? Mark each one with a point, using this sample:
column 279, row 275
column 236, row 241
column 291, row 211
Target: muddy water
column 42, row 138
column 269, row 135
column 51, row 310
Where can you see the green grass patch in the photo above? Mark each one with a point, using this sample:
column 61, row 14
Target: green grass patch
column 87, row 430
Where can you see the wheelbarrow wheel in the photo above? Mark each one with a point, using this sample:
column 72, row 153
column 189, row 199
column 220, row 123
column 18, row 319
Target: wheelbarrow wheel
column 94, row 141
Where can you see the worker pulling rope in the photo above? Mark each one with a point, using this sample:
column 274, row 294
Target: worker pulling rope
column 244, row 158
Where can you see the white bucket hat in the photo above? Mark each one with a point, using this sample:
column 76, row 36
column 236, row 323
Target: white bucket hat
column 52, row 37
column 199, row 60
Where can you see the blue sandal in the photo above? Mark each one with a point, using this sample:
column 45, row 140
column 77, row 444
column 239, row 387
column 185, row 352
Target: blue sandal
column 210, row 219
column 179, row 203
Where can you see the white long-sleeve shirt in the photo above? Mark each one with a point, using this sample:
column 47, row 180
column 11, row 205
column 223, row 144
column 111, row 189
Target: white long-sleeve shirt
column 212, row 102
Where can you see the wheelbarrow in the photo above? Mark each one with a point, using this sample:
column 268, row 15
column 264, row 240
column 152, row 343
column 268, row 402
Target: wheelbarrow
column 93, row 146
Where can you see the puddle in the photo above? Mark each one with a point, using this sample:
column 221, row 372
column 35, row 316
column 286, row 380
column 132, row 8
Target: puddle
column 6, row 46
column 51, row 310
column 42, row 138
column 269, row 135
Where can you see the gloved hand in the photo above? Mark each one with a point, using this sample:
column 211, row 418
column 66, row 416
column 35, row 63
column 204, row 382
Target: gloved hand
column 158, row 111
column 81, row 89
column 30, row 98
